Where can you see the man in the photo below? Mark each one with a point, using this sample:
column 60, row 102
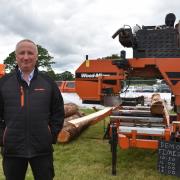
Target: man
column 31, row 116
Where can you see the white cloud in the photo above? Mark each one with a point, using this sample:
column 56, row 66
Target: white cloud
column 70, row 29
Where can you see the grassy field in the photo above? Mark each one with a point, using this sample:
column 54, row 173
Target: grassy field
column 88, row 157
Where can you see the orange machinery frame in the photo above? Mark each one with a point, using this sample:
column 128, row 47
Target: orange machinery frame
column 66, row 86
column 167, row 68
column 92, row 76
column 2, row 69
column 134, row 138
column 90, row 87
column 95, row 78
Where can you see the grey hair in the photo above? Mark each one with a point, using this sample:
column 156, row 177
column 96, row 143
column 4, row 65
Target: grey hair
column 26, row 40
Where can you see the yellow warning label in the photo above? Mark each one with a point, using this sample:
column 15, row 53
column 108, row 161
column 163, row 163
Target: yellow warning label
column 87, row 63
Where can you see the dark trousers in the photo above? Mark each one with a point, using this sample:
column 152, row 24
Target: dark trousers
column 15, row 167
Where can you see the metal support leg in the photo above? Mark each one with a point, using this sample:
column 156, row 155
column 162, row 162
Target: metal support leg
column 106, row 134
column 114, row 140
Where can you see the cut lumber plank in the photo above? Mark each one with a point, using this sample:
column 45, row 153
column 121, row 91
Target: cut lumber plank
column 93, row 118
column 74, row 127
column 74, row 116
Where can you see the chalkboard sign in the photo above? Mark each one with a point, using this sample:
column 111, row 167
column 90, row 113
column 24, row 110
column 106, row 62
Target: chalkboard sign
column 169, row 158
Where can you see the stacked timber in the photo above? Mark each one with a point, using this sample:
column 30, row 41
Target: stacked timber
column 72, row 128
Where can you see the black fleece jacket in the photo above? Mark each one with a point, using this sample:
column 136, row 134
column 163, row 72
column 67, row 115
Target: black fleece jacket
column 30, row 116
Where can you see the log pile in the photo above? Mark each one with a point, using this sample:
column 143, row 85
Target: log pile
column 70, row 109
column 71, row 112
column 75, row 123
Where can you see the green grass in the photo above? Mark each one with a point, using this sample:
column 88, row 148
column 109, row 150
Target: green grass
column 88, row 157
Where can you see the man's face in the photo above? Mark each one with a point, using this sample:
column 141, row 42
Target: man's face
column 26, row 56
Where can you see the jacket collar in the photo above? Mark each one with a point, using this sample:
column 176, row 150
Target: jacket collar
column 18, row 73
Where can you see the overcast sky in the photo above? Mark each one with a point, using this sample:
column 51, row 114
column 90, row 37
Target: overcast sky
column 70, row 29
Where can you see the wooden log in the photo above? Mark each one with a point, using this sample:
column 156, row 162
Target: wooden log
column 74, row 127
column 69, row 129
column 93, row 118
column 70, row 109
column 158, row 107
column 74, row 116
column 66, row 133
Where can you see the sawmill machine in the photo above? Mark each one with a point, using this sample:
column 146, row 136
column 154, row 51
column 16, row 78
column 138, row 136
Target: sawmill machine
column 99, row 82
column 156, row 54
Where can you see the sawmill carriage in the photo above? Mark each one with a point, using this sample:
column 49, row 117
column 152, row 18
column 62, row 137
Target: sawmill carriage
column 156, row 54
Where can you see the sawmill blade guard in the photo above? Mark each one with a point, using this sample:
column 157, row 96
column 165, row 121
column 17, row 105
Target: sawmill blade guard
column 113, row 100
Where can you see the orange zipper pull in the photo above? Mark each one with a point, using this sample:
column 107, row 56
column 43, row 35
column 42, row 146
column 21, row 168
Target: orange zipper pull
column 22, row 97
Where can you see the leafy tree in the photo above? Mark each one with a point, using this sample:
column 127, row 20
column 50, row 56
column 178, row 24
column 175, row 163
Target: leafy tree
column 53, row 75
column 113, row 56
column 66, row 76
column 10, row 61
column 44, row 60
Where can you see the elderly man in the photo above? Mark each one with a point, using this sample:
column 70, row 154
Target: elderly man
column 31, row 116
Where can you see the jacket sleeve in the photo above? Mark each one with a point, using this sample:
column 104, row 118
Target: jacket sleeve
column 2, row 123
column 57, row 112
